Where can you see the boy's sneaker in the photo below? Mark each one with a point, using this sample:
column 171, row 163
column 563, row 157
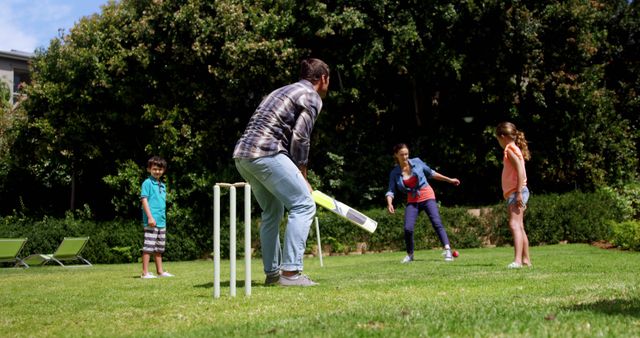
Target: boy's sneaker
column 448, row 256
column 407, row 259
column 148, row 275
column 272, row 278
column 165, row 274
column 296, row 280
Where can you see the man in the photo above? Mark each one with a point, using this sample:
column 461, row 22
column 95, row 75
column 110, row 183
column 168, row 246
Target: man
column 272, row 156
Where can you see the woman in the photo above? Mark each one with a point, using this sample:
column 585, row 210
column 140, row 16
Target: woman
column 410, row 176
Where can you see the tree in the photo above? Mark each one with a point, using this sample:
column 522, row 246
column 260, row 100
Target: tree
column 623, row 69
column 12, row 120
column 181, row 78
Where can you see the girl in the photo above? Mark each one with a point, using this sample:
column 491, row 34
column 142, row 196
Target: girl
column 410, row 176
column 514, row 188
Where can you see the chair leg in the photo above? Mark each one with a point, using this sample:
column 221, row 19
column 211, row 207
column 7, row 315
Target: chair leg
column 84, row 260
column 57, row 261
column 20, row 262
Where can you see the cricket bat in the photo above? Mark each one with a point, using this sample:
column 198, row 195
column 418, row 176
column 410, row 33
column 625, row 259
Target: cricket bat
column 341, row 209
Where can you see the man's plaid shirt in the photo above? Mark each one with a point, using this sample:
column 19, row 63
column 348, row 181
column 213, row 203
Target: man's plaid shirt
column 282, row 123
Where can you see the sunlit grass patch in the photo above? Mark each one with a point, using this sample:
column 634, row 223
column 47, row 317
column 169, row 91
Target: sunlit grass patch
column 572, row 290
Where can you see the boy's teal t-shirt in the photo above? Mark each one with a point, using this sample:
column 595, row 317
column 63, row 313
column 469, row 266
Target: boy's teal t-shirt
column 156, row 194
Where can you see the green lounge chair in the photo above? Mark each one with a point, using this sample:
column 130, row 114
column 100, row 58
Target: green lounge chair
column 69, row 250
column 10, row 249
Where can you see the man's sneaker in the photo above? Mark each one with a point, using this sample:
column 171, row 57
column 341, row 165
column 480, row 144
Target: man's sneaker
column 165, row 274
column 448, row 257
column 407, row 259
column 296, row 280
column 272, row 278
column 148, row 275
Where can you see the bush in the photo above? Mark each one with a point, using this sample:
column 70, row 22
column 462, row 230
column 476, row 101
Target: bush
column 114, row 242
column 388, row 235
column 45, row 235
column 109, row 242
column 549, row 219
column 343, row 236
column 464, row 230
column 626, row 235
column 544, row 220
column 627, row 199
column 186, row 237
column 575, row 217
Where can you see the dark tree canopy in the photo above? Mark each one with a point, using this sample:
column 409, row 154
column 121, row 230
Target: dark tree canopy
column 181, row 78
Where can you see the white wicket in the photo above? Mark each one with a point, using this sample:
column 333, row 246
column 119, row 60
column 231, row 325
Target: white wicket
column 232, row 238
column 319, row 244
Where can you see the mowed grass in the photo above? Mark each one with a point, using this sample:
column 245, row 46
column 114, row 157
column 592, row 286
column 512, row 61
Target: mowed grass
column 572, row 291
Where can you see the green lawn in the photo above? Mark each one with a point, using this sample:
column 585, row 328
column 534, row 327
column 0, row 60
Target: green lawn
column 572, row 291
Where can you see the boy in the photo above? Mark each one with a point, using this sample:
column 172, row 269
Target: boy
column 154, row 205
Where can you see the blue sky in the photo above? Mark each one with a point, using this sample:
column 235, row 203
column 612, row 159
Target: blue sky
column 28, row 24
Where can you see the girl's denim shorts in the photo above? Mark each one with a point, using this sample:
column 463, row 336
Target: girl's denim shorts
column 525, row 197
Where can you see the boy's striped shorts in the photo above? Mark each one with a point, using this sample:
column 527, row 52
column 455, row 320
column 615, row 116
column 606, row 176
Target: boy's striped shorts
column 154, row 240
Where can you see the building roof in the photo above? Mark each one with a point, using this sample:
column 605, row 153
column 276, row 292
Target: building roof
column 16, row 55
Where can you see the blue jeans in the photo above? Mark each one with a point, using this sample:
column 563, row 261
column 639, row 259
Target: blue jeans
column 411, row 213
column 277, row 183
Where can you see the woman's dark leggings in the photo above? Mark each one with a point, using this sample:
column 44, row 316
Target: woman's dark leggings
column 411, row 215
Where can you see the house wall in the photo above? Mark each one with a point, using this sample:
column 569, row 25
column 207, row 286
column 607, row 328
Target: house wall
column 14, row 67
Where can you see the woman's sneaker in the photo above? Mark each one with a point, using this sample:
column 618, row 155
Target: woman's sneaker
column 296, row 280
column 148, row 275
column 407, row 259
column 448, row 256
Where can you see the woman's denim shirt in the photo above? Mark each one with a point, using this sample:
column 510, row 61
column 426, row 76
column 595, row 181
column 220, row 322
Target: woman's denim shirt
column 418, row 168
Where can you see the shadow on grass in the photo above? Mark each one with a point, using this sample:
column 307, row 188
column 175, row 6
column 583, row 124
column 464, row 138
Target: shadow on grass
column 239, row 284
column 624, row 307
column 455, row 263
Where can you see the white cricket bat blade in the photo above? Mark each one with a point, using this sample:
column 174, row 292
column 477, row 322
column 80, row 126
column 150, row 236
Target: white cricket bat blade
column 352, row 215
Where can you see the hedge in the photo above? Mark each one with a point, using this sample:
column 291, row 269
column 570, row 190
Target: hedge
column 574, row 217
column 626, row 235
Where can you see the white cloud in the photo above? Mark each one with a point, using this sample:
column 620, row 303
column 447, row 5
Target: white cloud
column 27, row 24
column 13, row 38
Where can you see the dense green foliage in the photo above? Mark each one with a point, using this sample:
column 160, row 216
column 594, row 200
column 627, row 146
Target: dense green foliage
column 627, row 199
column 5, row 96
column 550, row 219
column 626, row 235
column 181, row 78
